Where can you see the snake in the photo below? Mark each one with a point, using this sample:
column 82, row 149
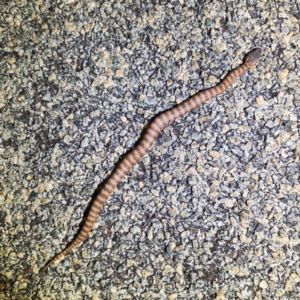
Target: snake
column 154, row 128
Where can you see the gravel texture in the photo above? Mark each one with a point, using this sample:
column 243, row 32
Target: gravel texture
column 211, row 212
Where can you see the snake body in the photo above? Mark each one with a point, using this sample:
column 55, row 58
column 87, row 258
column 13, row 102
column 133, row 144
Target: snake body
column 151, row 133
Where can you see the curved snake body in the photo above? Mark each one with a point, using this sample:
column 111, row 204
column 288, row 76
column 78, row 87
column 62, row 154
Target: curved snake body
column 151, row 133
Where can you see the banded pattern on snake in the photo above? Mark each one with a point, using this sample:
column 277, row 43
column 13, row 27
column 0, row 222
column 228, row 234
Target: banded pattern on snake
column 151, row 133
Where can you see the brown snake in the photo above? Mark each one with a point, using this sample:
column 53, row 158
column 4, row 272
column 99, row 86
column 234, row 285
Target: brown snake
column 151, row 133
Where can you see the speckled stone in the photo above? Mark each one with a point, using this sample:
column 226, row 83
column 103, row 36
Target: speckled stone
column 212, row 211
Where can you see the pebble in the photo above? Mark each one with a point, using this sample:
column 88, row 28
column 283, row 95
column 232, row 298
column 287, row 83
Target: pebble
column 282, row 76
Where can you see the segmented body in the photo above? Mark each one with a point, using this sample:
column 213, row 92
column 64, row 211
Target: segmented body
column 155, row 127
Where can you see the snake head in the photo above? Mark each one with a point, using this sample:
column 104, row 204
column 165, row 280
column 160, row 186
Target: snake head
column 253, row 56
